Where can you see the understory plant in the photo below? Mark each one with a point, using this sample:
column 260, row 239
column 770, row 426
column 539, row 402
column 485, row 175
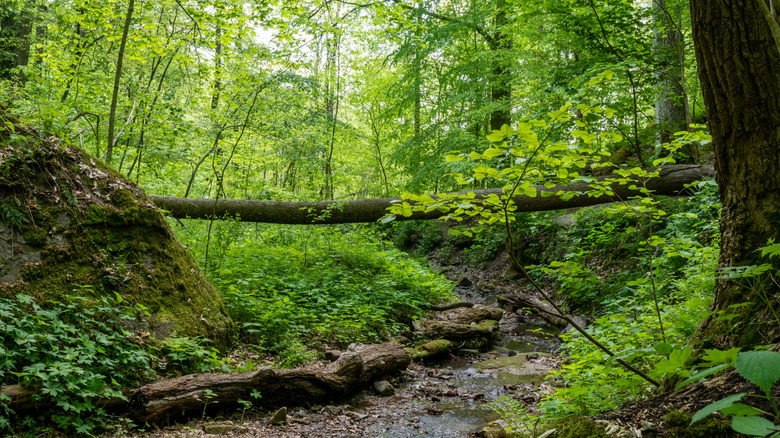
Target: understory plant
column 74, row 354
column 294, row 288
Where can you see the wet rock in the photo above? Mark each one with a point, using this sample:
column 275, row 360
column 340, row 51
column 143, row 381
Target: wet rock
column 492, row 431
column 332, row 355
column 532, row 356
column 279, row 417
column 330, row 410
column 384, row 388
column 219, row 428
column 431, row 349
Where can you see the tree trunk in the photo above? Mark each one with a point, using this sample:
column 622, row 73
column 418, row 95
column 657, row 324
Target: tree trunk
column 671, row 182
column 501, row 88
column 117, row 77
column 739, row 67
column 670, row 108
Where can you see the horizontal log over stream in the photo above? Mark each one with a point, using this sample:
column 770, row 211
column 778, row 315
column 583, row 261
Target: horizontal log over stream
column 671, row 182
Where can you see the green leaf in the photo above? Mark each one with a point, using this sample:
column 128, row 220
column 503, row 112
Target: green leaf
column 452, row 157
column 760, row 367
column 492, row 153
column 662, row 347
column 753, row 426
column 716, row 406
column 720, row 356
column 702, row 374
column 741, row 410
column 387, row 218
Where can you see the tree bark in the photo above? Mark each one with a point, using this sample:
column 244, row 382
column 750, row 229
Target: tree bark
column 739, row 67
column 671, row 182
column 166, row 400
column 117, row 77
column 670, row 106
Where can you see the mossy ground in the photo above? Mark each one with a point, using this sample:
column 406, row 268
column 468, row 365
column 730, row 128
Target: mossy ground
column 97, row 234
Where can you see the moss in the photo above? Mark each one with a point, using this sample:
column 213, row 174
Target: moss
column 677, row 424
column 35, row 236
column 578, row 427
column 123, row 199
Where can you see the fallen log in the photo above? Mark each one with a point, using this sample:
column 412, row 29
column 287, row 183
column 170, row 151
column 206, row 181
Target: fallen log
column 186, row 396
column 671, row 182
column 432, row 329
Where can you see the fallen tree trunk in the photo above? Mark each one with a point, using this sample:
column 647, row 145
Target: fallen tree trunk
column 671, row 182
column 186, row 396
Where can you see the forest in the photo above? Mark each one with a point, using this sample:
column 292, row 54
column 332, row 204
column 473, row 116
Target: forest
column 261, row 218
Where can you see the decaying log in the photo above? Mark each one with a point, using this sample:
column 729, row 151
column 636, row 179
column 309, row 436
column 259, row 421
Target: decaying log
column 671, row 181
column 454, row 331
column 477, row 314
column 432, row 349
column 165, row 400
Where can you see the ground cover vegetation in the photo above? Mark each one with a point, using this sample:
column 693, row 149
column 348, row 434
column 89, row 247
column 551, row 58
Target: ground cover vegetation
column 335, row 100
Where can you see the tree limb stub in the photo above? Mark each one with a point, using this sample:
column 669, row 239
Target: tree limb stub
column 671, row 182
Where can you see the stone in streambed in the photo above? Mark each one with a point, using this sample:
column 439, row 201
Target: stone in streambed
column 384, row 388
column 279, row 418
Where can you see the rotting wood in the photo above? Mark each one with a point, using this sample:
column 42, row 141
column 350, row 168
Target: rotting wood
column 671, row 182
column 184, row 397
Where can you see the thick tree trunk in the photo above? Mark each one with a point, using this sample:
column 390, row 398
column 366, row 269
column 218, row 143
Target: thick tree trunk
column 671, row 182
column 739, row 67
column 670, row 106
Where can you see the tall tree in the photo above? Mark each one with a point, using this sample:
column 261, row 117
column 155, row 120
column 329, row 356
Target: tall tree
column 117, row 77
column 739, row 67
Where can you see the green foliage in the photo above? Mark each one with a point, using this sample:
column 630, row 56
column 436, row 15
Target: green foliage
column 72, row 352
column 292, row 288
column 519, row 418
column 762, row 368
column 182, row 355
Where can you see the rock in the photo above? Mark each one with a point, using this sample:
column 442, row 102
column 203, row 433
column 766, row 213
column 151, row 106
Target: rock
column 332, row 355
column 477, row 314
column 330, row 410
column 384, row 388
column 279, row 418
column 464, row 282
column 581, row 321
column 492, row 431
column 432, row 349
column 511, row 274
column 530, row 356
column 219, row 428
column 468, row 352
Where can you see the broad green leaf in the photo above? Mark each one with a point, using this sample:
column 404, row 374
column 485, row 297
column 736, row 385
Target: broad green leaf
column 716, row 406
column 702, row 374
column 496, row 137
column 720, row 356
column 760, row 367
column 661, row 347
column 529, row 191
column 741, row 410
column 475, row 155
column 492, row 153
column 452, row 157
column 753, row 426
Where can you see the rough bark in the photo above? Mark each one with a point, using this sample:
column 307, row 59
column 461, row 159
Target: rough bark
column 739, row 67
column 670, row 105
column 671, row 182
column 166, row 400
column 117, row 77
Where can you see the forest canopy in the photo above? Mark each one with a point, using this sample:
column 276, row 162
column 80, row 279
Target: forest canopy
column 459, row 110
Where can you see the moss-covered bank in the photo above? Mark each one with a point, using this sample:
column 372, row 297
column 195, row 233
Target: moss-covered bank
column 71, row 225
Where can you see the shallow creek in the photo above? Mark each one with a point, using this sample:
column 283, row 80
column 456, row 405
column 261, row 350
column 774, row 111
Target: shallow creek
column 450, row 398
